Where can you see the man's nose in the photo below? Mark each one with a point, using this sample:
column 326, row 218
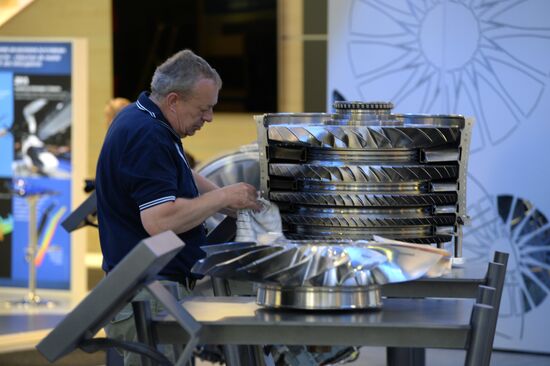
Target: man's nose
column 208, row 116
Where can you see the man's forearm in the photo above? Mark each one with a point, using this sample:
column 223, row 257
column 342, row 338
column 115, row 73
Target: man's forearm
column 204, row 184
column 182, row 214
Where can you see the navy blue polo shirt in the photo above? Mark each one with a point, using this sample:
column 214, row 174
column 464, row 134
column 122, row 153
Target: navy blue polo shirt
column 141, row 165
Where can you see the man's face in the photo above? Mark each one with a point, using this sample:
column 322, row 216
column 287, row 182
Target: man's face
column 197, row 108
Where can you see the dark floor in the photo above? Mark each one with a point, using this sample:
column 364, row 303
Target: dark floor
column 370, row 356
column 376, row 356
column 33, row 358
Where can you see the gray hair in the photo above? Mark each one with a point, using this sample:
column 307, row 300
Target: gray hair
column 180, row 72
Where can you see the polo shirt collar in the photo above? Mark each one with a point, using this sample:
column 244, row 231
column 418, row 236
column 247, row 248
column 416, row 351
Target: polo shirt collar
column 146, row 105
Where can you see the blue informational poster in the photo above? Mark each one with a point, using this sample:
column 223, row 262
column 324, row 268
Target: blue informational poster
column 35, row 157
column 484, row 59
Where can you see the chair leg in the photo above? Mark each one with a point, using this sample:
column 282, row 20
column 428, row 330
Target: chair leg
column 485, row 313
column 496, row 278
column 476, row 354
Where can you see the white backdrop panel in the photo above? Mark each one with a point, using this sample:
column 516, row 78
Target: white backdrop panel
column 480, row 58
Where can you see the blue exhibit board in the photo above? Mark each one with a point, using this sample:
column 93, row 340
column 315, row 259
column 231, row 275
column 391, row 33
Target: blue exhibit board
column 35, row 154
column 485, row 59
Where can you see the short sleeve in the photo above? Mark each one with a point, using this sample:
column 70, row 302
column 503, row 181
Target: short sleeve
column 150, row 172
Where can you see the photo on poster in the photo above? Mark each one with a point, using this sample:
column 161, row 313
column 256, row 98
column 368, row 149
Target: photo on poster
column 42, row 128
column 52, row 259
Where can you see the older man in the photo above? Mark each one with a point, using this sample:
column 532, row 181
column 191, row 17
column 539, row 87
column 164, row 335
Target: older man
column 144, row 183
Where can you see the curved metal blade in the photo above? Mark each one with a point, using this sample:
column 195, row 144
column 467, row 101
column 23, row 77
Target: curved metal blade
column 229, row 268
column 358, row 199
column 204, row 265
column 364, row 173
column 215, row 248
column 364, row 137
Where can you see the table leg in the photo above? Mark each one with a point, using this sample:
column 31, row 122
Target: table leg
column 401, row 356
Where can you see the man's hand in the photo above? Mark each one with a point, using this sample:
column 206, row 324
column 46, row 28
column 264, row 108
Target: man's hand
column 240, row 196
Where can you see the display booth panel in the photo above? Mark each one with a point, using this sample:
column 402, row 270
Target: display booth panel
column 43, row 148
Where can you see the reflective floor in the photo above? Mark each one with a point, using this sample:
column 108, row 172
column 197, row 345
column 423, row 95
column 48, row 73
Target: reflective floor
column 21, row 327
column 376, row 356
column 370, row 356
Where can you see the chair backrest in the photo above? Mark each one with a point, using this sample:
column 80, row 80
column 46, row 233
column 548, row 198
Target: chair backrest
column 485, row 313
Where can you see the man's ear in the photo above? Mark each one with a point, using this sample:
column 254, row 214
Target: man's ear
column 171, row 100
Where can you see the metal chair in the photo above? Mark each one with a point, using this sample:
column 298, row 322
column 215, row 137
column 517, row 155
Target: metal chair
column 492, row 283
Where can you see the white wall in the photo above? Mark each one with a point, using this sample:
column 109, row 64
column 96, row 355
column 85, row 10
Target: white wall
column 490, row 60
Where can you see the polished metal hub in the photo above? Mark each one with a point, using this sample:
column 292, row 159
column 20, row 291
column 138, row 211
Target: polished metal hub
column 319, row 298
